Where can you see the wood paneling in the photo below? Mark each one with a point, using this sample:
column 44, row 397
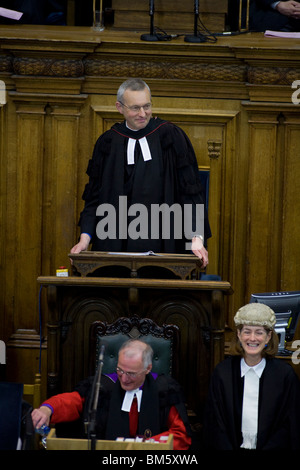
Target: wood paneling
column 289, row 229
column 169, row 15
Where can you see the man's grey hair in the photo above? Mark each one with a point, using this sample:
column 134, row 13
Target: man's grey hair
column 133, row 84
column 132, row 346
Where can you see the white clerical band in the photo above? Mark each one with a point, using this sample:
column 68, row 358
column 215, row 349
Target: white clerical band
column 130, row 151
column 128, row 397
column 144, row 147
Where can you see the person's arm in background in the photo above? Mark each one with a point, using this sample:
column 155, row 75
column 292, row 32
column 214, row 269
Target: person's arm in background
column 288, row 8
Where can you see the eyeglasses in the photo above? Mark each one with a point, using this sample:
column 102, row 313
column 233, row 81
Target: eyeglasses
column 136, row 109
column 132, row 375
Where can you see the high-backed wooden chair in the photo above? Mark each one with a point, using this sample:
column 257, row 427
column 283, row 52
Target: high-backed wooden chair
column 33, row 391
column 164, row 341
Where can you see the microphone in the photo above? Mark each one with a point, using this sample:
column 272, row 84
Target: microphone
column 196, row 37
column 151, row 36
column 99, row 371
column 95, row 398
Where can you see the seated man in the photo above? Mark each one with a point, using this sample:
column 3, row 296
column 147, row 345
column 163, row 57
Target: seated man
column 161, row 409
column 275, row 16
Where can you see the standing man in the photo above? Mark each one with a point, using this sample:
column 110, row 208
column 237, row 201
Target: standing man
column 143, row 162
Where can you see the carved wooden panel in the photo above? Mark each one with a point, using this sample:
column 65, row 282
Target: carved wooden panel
column 273, row 201
column 289, row 228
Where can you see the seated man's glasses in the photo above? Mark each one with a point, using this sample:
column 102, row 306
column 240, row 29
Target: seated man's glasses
column 136, row 109
column 132, row 375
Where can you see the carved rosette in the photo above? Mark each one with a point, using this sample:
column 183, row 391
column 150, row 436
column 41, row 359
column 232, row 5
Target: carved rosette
column 214, row 149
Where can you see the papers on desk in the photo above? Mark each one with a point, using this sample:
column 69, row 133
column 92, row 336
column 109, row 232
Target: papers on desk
column 281, row 34
column 11, row 14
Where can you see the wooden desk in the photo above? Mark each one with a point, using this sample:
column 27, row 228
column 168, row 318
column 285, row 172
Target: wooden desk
column 195, row 306
column 56, row 443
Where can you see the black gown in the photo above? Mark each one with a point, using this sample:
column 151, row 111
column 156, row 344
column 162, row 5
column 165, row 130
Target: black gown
column 170, row 177
column 159, row 395
column 279, row 407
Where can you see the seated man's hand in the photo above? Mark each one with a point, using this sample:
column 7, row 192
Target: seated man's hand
column 41, row 416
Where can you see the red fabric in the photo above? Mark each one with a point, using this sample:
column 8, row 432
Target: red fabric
column 66, row 407
column 181, row 441
column 133, row 417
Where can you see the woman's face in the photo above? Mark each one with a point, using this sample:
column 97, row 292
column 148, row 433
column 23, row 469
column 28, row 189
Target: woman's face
column 253, row 340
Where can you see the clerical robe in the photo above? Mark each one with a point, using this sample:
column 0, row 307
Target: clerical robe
column 162, row 410
column 152, row 166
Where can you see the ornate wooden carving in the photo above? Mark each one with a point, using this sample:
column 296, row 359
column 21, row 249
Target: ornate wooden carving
column 182, row 266
column 187, row 69
column 134, row 327
column 214, row 148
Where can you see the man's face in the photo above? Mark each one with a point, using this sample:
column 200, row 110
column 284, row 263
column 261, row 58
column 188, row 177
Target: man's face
column 134, row 367
column 136, row 116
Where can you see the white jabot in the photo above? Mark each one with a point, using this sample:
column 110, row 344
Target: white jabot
column 144, row 147
column 128, row 397
column 130, row 151
column 250, row 402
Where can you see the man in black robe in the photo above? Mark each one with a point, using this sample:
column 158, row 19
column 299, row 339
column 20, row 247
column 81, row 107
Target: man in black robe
column 158, row 401
column 142, row 163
